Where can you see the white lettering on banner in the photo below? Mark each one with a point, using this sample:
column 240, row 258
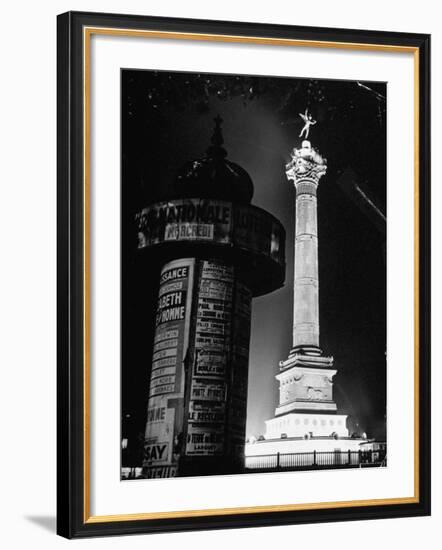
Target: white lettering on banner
column 188, row 231
column 173, row 314
column 172, row 274
column 171, row 299
column 185, row 219
column 208, row 392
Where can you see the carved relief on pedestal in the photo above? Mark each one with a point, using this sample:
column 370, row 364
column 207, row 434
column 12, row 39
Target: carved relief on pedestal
column 305, row 386
column 314, row 393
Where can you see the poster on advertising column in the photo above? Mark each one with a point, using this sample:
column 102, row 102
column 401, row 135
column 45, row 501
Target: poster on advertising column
column 166, row 393
column 240, row 367
column 207, row 407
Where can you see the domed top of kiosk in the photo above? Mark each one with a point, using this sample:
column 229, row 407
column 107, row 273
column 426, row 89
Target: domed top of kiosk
column 213, row 176
column 207, row 214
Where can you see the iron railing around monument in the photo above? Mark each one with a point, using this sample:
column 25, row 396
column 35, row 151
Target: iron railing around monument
column 317, row 460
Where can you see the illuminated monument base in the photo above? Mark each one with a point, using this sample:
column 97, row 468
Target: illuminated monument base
column 305, row 420
column 298, row 453
column 296, row 445
column 307, row 425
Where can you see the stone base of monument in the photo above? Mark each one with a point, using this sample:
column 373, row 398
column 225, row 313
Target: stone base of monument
column 301, row 445
column 307, row 425
column 303, row 440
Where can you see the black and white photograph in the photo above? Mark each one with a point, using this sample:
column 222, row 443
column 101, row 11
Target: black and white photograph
column 253, row 274
column 218, row 312
column 243, row 270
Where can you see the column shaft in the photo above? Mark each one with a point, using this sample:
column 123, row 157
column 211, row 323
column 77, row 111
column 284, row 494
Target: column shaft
column 306, row 284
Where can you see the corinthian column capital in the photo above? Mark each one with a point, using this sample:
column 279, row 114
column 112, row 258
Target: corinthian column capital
column 306, row 165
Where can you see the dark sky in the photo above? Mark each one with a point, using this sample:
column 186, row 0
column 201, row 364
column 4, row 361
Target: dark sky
column 167, row 119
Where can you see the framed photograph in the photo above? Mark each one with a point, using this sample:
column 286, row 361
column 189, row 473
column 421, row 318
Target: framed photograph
column 243, row 274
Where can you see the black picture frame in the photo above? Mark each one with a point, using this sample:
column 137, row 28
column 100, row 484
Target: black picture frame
column 73, row 518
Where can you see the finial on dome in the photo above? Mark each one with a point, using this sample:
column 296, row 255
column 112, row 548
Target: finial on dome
column 216, row 149
column 213, row 176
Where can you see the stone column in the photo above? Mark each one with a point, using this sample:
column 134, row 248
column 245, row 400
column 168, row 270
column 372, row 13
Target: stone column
column 305, row 170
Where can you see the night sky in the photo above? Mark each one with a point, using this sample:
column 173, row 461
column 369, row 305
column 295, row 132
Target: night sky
column 167, row 119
